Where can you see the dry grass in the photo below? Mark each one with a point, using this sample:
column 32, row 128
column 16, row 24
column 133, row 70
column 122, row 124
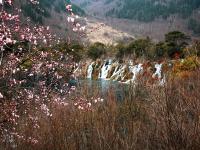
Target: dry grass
column 149, row 118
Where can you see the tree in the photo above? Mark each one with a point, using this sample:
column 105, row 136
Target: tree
column 160, row 49
column 139, row 47
column 96, row 50
column 31, row 82
column 176, row 42
column 121, row 50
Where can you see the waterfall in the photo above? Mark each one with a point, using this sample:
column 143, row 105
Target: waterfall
column 158, row 73
column 104, row 70
column 158, row 68
column 119, row 70
column 130, row 62
column 135, row 70
column 125, row 73
column 90, row 70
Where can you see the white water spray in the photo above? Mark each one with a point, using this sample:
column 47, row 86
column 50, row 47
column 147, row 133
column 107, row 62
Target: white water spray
column 90, row 70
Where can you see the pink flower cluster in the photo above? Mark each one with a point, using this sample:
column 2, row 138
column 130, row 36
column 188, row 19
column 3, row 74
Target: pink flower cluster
column 32, row 84
column 7, row 1
column 35, row 91
column 31, row 91
column 73, row 19
column 37, row 34
column 87, row 105
column 13, row 31
column 9, row 25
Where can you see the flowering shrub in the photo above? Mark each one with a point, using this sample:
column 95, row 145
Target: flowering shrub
column 33, row 80
column 29, row 84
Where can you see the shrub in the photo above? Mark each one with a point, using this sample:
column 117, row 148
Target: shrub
column 160, row 50
column 193, row 50
column 96, row 50
column 121, row 50
column 186, row 66
column 155, row 117
column 139, row 47
column 176, row 41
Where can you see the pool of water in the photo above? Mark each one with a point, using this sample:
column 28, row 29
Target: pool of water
column 104, row 87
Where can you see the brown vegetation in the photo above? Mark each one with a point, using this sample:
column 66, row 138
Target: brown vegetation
column 155, row 117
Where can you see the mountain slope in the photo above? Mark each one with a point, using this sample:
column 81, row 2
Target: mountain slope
column 149, row 10
column 168, row 15
column 50, row 13
column 142, row 10
column 46, row 8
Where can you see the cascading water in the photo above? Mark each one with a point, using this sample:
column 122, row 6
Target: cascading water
column 90, row 70
column 105, row 69
column 135, row 70
column 158, row 74
column 130, row 62
column 122, row 72
column 158, row 68
column 118, row 72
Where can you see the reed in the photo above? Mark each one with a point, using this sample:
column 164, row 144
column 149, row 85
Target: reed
column 150, row 117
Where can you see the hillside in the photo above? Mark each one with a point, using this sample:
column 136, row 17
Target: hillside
column 50, row 13
column 53, row 14
column 149, row 10
column 146, row 17
column 141, row 10
column 122, row 18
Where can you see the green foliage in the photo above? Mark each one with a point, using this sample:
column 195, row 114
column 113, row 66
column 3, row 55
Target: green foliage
column 76, row 9
column 149, row 10
column 59, row 7
column 37, row 14
column 176, row 41
column 196, row 48
column 43, row 10
column 75, row 49
column 175, row 36
column 46, row 4
column 121, row 50
column 160, row 49
column 138, row 48
column 174, row 46
column 96, row 50
column 173, row 50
